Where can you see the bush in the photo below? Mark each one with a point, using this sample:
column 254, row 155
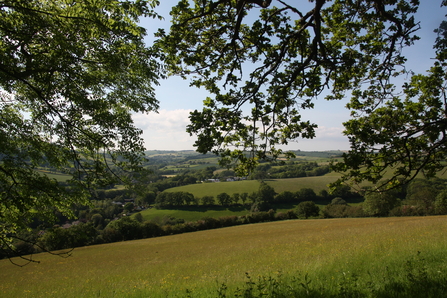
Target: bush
column 335, row 211
column 380, row 203
column 355, row 211
column 127, row 227
column 228, row 221
column 307, row 209
column 110, row 235
column 150, row 229
column 256, row 217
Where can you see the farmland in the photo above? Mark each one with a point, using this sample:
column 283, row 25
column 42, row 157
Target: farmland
column 291, row 184
column 330, row 253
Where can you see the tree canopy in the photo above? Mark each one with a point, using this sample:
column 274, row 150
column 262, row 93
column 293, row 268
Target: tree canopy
column 71, row 74
column 265, row 61
column 400, row 133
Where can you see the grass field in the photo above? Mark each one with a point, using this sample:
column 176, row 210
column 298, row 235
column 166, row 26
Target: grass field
column 214, row 188
column 329, row 254
column 291, row 184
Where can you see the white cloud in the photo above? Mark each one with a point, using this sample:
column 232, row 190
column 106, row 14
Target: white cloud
column 165, row 130
column 329, row 132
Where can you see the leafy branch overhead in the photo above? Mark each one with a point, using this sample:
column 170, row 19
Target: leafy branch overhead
column 406, row 134
column 71, row 74
column 265, row 61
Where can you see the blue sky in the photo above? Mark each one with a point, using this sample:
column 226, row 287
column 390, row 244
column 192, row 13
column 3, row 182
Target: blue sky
column 166, row 130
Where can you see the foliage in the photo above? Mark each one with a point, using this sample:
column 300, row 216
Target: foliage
column 338, row 201
column 224, row 199
column 207, row 200
column 71, row 74
column 285, row 197
column 339, row 208
column 422, row 193
column 263, row 198
column 400, row 135
column 306, row 194
column 174, row 199
column 59, row 238
column 380, row 203
column 441, row 202
column 263, row 66
column 126, row 228
column 307, row 209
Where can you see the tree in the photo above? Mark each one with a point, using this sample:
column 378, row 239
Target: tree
column 422, row 193
column 307, row 209
column 235, row 197
column 262, row 199
column 306, row 194
column 401, row 136
column 266, row 193
column 338, row 201
column 441, row 202
column 146, row 199
column 127, row 228
column 129, row 207
column 223, row 198
column 207, row 200
column 263, row 65
column 243, row 197
column 285, row 197
column 71, row 74
column 380, row 203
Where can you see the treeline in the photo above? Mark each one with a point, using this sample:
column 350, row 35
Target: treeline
column 158, row 182
column 419, row 197
column 291, row 169
column 261, row 200
column 129, row 228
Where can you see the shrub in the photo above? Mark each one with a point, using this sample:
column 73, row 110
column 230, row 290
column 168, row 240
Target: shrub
column 441, row 202
column 258, row 217
column 335, row 211
column 307, row 208
column 110, row 235
column 228, row 221
column 355, row 211
column 127, row 227
column 150, row 229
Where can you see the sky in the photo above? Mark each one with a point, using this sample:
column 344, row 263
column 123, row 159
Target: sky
column 166, row 130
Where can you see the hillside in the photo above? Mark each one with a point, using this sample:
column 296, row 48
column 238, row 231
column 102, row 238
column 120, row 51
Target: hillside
column 325, row 251
column 317, row 183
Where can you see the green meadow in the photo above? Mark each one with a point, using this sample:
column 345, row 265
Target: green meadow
column 317, row 183
column 323, row 258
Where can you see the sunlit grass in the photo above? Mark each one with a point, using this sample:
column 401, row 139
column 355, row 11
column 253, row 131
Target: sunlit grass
column 214, row 188
column 291, row 184
column 160, row 267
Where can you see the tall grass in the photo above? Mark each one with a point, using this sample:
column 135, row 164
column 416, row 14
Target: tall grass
column 326, row 255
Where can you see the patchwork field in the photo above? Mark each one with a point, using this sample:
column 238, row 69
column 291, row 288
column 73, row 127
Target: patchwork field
column 323, row 253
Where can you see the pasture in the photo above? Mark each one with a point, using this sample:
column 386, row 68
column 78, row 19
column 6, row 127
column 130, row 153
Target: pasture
column 327, row 255
column 317, row 183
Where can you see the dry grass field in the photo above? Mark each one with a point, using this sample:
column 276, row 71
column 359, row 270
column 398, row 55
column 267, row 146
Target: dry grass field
column 325, row 249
